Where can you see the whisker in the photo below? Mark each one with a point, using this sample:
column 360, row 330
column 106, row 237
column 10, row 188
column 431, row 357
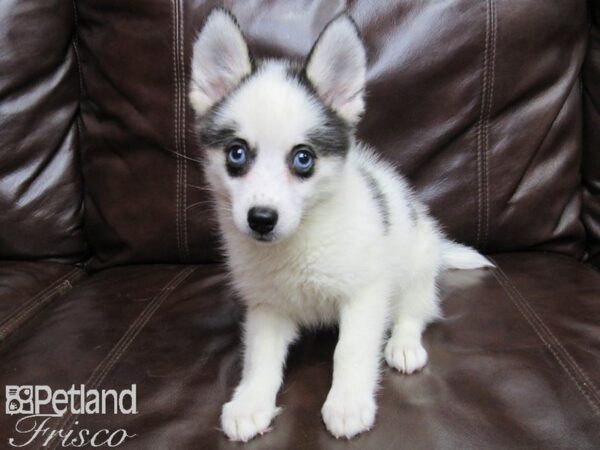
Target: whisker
column 204, row 202
column 198, row 161
column 201, row 188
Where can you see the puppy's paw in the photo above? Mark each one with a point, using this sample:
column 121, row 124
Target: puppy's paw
column 347, row 415
column 405, row 356
column 243, row 418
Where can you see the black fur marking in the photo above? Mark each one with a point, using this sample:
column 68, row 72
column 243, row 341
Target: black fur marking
column 209, row 129
column 379, row 198
column 331, row 138
column 216, row 136
column 212, row 135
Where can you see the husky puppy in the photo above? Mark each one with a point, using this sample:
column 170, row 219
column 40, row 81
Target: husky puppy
column 317, row 230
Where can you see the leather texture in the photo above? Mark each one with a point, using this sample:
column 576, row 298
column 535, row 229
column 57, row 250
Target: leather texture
column 514, row 364
column 477, row 102
column 41, row 200
column 144, row 202
column 26, row 287
column 590, row 168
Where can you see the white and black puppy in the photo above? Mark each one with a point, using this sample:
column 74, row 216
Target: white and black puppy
column 317, row 230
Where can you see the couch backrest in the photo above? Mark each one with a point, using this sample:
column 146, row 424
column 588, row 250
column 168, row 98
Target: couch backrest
column 41, row 207
column 477, row 102
column 591, row 137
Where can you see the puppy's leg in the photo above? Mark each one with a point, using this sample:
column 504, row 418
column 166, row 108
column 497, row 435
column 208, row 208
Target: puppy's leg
column 416, row 306
column 350, row 406
column 252, row 408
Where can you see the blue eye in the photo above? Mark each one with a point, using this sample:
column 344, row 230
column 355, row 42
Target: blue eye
column 303, row 161
column 237, row 155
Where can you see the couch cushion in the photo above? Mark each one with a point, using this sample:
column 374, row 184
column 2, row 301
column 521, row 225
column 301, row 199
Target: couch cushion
column 27, row 287
column 140, row 196
column 40, row 178
column 514, row 364
column 478, row 103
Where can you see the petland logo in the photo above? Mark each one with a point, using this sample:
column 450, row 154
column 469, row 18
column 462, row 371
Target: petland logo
column 40, row 404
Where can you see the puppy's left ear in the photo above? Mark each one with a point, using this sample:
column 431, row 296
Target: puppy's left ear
column 220, row 61
column 337, row 68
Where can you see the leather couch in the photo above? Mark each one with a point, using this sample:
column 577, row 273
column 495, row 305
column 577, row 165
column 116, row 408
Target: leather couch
column 110, row 273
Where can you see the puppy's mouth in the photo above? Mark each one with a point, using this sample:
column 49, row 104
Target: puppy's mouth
column 266, row 238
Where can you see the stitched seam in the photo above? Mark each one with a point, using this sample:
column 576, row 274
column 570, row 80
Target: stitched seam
column 176, row 124
column 178, row 128
column 12, row 322
column 581, row 266
column 182, row 137
column 18, row 311
column 75, row 43
column 76, row 47
column 137, row 326
column 585, row 379
column 480, row 125
column 112, row 358
column 16, row 315
column 545, row 342
column 534, row 323
column 486, row 147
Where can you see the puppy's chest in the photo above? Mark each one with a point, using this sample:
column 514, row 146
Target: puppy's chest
column 304, row 283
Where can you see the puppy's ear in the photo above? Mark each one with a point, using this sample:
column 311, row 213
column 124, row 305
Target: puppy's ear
column 337, row 67
column 220, row 60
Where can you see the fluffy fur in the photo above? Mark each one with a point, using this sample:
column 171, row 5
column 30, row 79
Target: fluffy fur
column 351, row 246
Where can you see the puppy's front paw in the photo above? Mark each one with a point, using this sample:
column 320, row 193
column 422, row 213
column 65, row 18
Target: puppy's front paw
column 345, row 416
column 243, row 418
column 405, row 356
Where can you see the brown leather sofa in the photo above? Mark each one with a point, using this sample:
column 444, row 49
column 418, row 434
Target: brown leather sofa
column 110, row 274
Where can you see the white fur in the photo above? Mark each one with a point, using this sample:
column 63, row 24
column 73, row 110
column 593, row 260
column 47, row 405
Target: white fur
column 333, row 259
column 457, row 256
column 286, row 113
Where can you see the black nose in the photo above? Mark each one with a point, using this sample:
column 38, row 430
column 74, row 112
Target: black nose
column 262, row 220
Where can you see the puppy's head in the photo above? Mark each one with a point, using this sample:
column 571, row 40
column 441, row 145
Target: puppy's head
column 276, row 134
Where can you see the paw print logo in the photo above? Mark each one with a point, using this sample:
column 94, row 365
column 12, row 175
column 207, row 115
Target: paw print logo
column 13, row 406
column 19, row 400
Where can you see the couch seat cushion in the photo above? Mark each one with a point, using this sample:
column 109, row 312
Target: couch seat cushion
column 514, row 364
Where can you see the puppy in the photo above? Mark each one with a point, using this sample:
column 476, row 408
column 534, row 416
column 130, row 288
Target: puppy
column 317, row 230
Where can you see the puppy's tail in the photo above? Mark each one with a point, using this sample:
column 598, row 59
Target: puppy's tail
column 458, row 256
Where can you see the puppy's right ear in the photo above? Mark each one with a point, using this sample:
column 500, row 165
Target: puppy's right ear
column 220, row 60
column 337, row 68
